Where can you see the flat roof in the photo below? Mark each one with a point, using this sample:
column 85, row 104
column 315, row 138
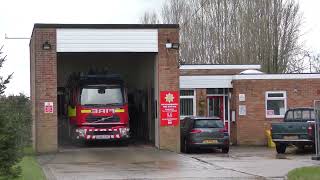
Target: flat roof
column 106, row 26
column 277, row 76
column 225, row 81
column 220, row 66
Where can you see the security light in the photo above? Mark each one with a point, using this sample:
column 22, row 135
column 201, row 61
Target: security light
column 172, row 45
column 46, row 46
column 175, row 45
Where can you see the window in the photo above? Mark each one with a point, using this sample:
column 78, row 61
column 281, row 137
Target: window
column 187, row 103
column 101, row 95
column 215, row 91
column 276, row 104
column 204, row 123
column 298, row 115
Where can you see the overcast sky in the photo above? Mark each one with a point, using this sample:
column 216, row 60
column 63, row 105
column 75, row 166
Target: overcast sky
column 18, row 16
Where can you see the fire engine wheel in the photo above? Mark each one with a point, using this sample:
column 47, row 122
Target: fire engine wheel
column 74, row 140
column 124, row 142
column 78, row 142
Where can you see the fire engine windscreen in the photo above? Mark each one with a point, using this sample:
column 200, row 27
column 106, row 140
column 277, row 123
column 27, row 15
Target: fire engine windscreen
column 101, row 95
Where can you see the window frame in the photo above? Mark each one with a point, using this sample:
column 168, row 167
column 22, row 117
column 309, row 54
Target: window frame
column 284, row 98
column 193, row 101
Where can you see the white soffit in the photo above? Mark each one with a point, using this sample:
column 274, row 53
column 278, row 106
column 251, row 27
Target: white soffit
column 205, row 81
column 276, row 76
column 218, row 66
column 107, row 40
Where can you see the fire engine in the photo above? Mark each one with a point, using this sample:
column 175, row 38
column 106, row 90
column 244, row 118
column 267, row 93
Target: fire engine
column 97, row 107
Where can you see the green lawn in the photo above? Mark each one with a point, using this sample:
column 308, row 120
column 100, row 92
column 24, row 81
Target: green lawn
column 30, row 167
column 305, row 173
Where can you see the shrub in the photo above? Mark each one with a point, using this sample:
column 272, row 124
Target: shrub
column 15, row 132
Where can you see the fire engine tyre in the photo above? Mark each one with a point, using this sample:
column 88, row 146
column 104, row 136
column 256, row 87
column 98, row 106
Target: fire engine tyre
column 74, row 140
column 281, row 148
column 124, row 142
column 225, row 149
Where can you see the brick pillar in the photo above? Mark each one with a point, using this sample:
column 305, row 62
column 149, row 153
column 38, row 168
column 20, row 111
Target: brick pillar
column 168, row 80
column 43, row 67
column 201, row 99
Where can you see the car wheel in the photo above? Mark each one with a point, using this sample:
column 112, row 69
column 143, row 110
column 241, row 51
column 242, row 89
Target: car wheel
column 225, row 149
column 182, row 148
column 281, row 148
column 301, row 147
column 186, row 147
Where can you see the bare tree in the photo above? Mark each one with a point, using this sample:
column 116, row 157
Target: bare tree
column 315, row 63
column 312, row 61
column 262, row 32
column 150, row 18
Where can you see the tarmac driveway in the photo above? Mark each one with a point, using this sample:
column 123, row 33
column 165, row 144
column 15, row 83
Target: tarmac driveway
column 145, row 162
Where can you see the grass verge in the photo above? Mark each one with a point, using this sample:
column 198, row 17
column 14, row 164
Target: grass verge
column 31, row 169
column 305, row 173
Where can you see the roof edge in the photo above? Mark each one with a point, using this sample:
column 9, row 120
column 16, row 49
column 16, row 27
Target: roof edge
column 220, row 66
column 276, row 76
column 106, row 26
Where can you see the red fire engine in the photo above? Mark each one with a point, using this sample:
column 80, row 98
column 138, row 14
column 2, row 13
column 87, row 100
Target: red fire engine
column 97, row 108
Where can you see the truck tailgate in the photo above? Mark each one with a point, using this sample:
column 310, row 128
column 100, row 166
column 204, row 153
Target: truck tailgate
column 290, row 130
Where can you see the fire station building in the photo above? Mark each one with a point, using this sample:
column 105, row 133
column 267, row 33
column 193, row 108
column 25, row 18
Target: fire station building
column 159, row 92
column 245, row 98
column 145, row 56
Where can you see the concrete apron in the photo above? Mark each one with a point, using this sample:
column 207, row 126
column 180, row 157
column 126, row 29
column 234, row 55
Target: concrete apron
column 133, row 162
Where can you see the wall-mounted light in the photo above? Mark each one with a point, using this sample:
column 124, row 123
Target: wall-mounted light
column 172, row 45
column 46, row 46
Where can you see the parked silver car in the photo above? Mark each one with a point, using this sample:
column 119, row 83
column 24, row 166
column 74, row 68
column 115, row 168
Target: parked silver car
column 203, row 132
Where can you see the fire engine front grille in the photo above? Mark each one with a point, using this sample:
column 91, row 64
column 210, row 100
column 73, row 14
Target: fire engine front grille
column 102, row 119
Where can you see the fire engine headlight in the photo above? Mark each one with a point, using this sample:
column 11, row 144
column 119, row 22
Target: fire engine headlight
column 124, row 131
column 81, row 132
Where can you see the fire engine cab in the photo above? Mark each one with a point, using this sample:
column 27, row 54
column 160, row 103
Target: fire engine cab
column 97, row 107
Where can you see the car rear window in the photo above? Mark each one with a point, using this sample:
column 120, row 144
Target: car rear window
column 208, row 123
column 300, row 115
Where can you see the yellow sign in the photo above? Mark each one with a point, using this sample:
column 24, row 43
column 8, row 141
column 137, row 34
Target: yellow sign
column 85, row 111
column 119, row 110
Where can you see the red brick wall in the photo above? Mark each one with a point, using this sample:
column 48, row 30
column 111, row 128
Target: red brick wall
column 43, row 85
column 250, row 129
column 43, row 88
column 32, row 89
column 168, row 80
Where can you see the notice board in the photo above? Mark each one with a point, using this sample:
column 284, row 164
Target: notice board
column 169, row 108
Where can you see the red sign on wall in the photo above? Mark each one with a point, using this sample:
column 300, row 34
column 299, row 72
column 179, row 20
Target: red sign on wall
column 169, row 108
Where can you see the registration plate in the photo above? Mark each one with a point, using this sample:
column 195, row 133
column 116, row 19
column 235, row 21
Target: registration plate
column 210, row 141
column 290, row 137
column 103, row 137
